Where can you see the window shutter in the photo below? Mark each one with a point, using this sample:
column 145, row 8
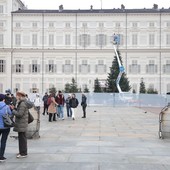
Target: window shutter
column 30, row 68
column 55, row 68
column 156, row 68
column 130, row 68
column 46, row 68
column 71, row 68
column 147, row 68
column 63, row 68
column 96, row 68
column 38, row 68
column 22, row 68
column 138, row 68
column 80, row 68
column 88, row 68
column 105, row 68
column 13, row 68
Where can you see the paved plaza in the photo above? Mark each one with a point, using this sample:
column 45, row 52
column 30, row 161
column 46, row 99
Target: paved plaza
column 110, row 138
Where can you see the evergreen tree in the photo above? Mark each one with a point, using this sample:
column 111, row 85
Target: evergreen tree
column 142, row 87
column 97, row 86
column 52, row 90
column 112, row 77
column 67, row 88
column 86, row 90
column 152, row 91
column 73, row 86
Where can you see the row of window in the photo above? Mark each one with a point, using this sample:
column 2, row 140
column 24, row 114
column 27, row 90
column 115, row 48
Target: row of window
column 84, row 40
column 84, row 68
column 88, row 25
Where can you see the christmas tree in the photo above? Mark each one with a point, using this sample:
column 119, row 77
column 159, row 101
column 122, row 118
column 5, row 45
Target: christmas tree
column 112, row 77
column 97, row 86
column 142, row 87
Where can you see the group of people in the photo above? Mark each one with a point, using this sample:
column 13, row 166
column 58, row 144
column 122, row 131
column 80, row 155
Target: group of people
column 54, row 105
column 18, row 108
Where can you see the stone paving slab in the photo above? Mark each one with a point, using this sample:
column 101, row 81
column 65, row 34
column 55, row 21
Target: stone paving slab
column 108, row 139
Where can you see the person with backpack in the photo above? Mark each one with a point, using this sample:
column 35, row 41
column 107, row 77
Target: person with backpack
column 45, row 100
column 52, row 108
column 73, row 104
column 4, row 131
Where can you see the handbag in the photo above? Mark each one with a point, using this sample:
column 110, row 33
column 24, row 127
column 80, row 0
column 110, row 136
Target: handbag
column 30, row 117
column 7, row 119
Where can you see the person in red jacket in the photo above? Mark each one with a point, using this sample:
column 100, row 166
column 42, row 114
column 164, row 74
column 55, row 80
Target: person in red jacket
column 61, row 101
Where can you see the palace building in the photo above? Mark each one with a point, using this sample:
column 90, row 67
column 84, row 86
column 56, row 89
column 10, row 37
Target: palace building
column 40, row 49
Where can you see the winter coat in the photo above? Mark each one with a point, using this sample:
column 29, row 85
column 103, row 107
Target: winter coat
column 60, row 99
column 37, row 102
column 21, row 115
column 52, row 106
column 84, row 102
column 45, row 99
column 3, row 110
column 73, row 103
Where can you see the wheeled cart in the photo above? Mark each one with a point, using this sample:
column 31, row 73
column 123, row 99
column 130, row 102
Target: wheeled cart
column 34, row 127
column 164, row 122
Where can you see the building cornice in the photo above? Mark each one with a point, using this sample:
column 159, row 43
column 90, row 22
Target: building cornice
column 30, row 50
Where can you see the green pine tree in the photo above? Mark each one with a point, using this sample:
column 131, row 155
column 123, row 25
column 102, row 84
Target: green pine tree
column 97, row 86
column 67, row 88
column 142, row 87
column 112, row 77
column 73, row 86
column 52, row 91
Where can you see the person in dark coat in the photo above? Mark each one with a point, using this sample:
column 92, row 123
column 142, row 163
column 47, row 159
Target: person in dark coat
column 73, row 104
column 69, row 113
column 84, row 105
column 21, row 122
column 4, row 131
column 45, row 100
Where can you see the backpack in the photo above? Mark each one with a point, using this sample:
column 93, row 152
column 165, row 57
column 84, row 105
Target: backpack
column 49, row 101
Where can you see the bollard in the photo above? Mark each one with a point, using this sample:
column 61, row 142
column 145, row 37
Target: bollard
column 34, row 127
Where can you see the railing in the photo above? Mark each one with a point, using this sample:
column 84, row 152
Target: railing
column 121, row 99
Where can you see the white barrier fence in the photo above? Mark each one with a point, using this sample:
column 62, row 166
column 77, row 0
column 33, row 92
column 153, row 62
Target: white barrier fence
column 121, row 99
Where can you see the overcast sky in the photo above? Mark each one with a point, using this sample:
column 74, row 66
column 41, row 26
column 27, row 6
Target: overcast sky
column 85, row 4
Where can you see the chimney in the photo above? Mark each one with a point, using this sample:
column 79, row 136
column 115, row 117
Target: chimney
column 91, row 7
column 155, row 6
column 61, row 8
column 122, row 7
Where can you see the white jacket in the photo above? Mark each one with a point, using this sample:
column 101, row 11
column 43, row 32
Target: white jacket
column 37, row 102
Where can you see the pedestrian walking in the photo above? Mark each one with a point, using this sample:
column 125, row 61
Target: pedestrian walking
column 37, row 103
column 45, row 100
column 52, row 108
column 21, row 122
column 84, row 105
column 73, row 104
column 68, row 108
column 4, row 132
column 61, row 101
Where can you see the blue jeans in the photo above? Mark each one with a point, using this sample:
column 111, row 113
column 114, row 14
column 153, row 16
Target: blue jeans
column 4, row 137
column 60, row 111
column 69, row 112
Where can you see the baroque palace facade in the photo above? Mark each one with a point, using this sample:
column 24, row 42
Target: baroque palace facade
column 40, row 49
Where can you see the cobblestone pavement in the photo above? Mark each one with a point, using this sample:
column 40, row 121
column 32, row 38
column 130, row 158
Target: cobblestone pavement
column 110, row 138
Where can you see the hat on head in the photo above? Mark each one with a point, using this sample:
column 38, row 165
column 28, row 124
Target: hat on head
column 21, row 93
column 2, row 97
